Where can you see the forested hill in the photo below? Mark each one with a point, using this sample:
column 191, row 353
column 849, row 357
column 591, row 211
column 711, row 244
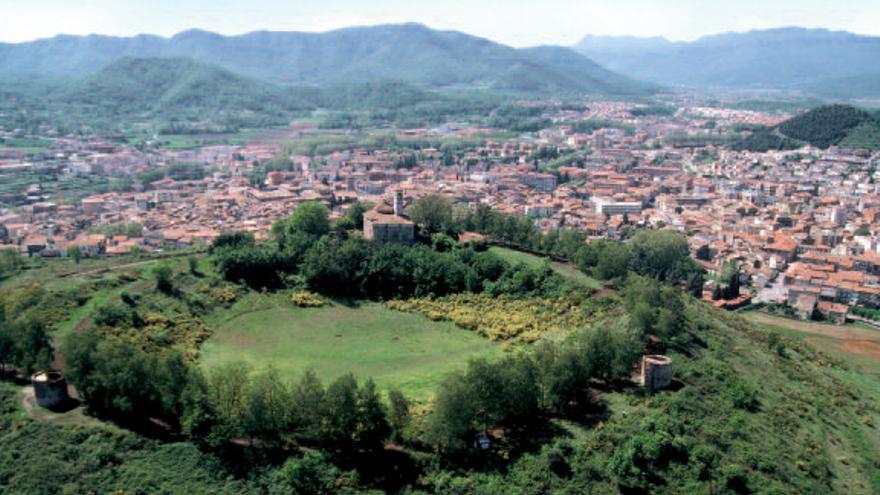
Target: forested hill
column 179, row 87
column 822, row 127
column 188, row 95
column 411, row 53
column 827, row 125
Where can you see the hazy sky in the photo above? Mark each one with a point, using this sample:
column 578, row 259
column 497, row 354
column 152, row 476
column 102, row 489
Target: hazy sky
column 514, row 22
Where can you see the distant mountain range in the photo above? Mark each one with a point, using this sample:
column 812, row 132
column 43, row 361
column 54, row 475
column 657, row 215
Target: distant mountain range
column 817, row 61
column 409, row 53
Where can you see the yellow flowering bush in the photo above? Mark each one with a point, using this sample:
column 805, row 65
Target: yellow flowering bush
column 306, row 299
column 501, row 318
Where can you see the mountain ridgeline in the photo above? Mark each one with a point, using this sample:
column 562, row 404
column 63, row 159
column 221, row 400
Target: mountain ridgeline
column 817, row 61
column 410, row 53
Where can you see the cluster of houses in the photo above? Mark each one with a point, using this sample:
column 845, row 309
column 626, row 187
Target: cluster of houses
column 801, row 227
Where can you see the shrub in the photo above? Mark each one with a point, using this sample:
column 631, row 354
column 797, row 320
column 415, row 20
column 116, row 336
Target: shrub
column 306, row 299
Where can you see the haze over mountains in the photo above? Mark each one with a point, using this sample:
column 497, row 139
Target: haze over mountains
column 411, row 53
column 816, row 61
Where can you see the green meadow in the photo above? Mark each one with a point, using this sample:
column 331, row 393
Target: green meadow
column 396, row 349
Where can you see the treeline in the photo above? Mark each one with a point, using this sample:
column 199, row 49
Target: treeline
column 120, row 381
column 764, row 139
column 25, row 315
column 176, row 171
column 653, row 110
column 308, row 250
column 515, row 392
column 663, row 255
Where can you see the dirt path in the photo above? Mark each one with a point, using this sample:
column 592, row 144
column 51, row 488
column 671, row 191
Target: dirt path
column 104, row 269
column 844, row 332
column 866, row 348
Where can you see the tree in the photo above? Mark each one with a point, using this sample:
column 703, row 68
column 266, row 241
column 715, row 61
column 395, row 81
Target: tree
column 114, row 377
column 451, row 424
column 355, row 213
column 163, row 274
column 613, row 261
column 332, row 265
column 75, row 253
column 10, row 263
column 312, row 218
column 433, row 213
column 232, row 240
column 169, row 375
column 373, row 427
column 399, row 415
column 25, row 344
column 312, row 473
column 267, row 402
column 661, row 254
column 695, row 283
column 653, row 307
column 307, row 407
column 199, row 419
column 732, row 291
column 704, row 253
column 608, row 351
column 193, row 263
column 228, row 388
column 340, row 422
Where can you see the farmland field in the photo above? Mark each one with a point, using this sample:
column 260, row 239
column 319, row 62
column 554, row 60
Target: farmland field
column 396, row 349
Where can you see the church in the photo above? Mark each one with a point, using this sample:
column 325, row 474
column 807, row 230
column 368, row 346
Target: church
column 388, row 223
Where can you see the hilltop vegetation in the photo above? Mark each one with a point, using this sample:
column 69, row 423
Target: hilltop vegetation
column 749, row 411
column 182, row 96
column 822, row 127
column 826, row 125
column 178, row 89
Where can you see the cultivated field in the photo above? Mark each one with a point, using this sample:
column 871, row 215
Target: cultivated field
column 396, row 349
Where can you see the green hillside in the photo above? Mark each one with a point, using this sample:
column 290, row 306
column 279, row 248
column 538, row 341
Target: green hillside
column 155, row 354
column 825, row 125
column 183, row 95
column 752, row 411
column 179, row 88
column 822, row 127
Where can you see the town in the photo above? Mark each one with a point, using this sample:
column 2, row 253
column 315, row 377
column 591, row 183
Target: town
column 458, row 248
column 799, row 227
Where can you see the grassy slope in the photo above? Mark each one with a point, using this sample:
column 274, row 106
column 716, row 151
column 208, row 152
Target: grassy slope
column 395, row 349
column 844, row 416
column 71, row 453
column 866, row 135
column 566, row 270
column 813, row 427
column 830, row 339
column 827, row 395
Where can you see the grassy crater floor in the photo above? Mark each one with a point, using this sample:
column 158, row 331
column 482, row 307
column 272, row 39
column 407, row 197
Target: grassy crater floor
column 396, row 349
